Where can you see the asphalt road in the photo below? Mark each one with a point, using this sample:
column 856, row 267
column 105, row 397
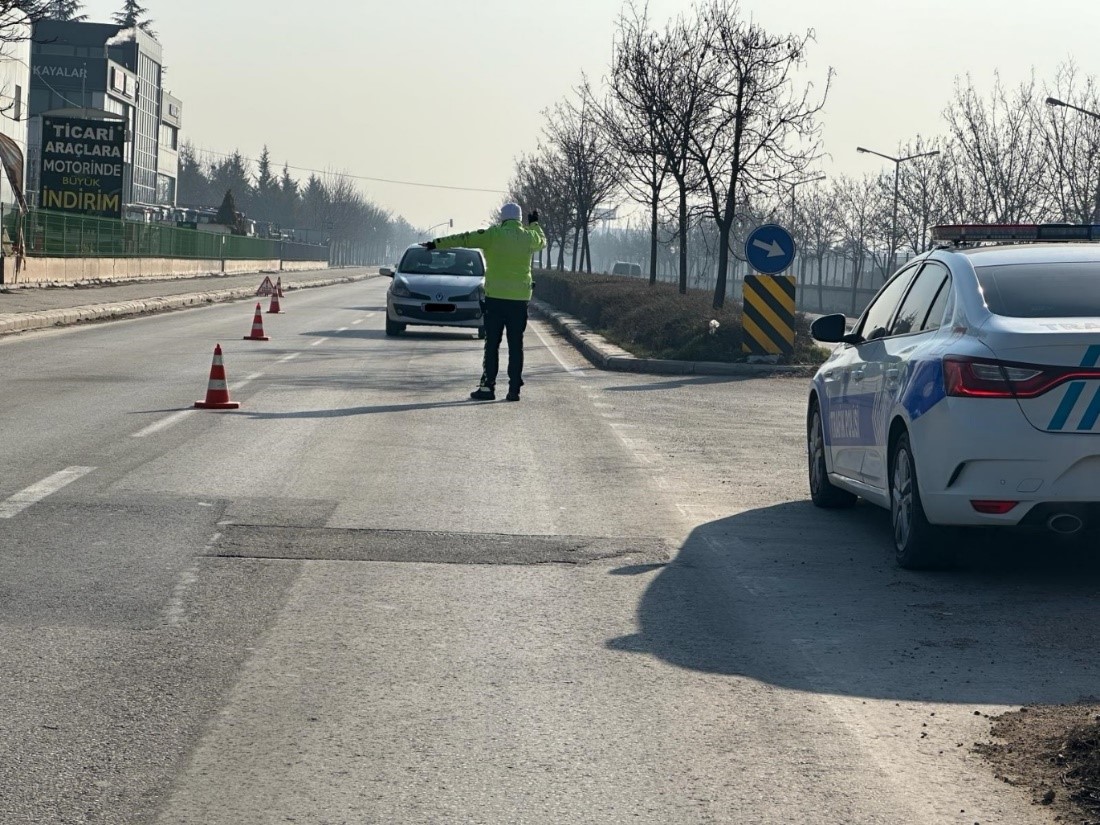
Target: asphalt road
column 361, row 598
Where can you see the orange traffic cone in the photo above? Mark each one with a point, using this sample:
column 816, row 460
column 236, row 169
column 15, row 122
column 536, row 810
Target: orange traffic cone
column 279, row 287
column 217, row 391
column 257, row 327
column 275, row 308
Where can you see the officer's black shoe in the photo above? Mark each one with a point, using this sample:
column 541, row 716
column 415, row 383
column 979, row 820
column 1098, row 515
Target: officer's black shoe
column 513, row 395
column 483, row 394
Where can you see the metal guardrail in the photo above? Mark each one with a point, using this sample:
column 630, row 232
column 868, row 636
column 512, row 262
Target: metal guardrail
column 62, row 235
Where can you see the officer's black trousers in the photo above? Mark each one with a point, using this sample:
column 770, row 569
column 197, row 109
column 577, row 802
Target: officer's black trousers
column 504, row 316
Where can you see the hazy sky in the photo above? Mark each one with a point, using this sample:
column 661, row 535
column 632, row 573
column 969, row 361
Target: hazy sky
column 450, row 91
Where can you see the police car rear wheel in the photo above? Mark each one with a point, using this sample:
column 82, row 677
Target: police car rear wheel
column 822, row 491
column 917, row 543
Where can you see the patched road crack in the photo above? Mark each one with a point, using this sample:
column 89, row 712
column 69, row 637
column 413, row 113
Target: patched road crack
column 341, row 544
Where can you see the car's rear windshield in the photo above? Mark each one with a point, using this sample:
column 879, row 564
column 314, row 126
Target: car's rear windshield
column 1055, row 290
column 442, row 262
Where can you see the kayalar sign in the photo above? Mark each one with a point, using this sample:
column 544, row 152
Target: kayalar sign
column 82, row 166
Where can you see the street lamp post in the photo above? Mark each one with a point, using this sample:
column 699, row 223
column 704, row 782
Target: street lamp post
column 1053, row 101
column 897, row 176
column 794, row 185
column 449, row 222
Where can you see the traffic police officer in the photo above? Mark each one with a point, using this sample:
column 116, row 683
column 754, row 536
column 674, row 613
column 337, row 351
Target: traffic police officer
column 508, row 247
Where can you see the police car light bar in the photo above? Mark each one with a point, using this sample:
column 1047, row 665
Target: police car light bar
column 967, row 233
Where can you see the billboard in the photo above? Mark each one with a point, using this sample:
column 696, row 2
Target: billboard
column 83, row 166
column 70, row 73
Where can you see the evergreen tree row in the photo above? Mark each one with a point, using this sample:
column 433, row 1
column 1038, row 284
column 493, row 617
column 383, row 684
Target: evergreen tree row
column 131, row 15
column 329, row 208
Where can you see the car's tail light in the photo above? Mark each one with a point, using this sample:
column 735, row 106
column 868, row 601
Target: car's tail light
column 985, row 378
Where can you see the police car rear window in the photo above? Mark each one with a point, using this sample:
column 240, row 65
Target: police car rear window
column 1061, row 290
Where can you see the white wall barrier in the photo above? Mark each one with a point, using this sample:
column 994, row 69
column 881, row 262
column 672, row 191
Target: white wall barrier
column 74, row 270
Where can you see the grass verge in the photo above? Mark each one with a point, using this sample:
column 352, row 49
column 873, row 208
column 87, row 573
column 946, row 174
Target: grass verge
column 657, row 321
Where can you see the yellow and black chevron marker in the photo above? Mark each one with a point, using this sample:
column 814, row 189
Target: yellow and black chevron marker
column 768, row 319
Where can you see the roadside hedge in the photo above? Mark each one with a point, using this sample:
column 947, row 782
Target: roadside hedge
column 657, row 321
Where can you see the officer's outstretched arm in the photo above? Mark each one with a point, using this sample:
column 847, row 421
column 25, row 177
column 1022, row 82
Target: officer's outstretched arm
column 467, row 240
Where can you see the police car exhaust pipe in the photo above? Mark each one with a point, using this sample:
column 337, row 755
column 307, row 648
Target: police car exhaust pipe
column 1065, row 524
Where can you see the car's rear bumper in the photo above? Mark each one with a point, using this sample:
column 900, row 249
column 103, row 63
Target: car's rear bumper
column 985, row 450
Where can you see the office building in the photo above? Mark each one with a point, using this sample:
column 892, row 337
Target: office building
column 101, row 70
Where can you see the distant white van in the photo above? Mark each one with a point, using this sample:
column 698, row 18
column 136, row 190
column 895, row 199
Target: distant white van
column 627, row 268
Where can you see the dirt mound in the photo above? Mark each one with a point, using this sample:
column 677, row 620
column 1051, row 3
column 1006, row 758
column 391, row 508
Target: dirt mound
column 1054, row 751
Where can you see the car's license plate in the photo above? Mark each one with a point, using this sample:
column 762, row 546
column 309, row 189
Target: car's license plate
column 439, row 307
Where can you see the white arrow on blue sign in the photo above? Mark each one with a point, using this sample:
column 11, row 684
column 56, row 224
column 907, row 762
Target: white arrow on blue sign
column 769, row 249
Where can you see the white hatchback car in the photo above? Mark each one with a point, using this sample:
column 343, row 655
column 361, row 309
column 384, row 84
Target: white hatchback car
column 438, row 288
column 968, row 393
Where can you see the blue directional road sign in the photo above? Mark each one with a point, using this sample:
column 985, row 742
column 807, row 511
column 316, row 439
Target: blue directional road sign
column 769, row 249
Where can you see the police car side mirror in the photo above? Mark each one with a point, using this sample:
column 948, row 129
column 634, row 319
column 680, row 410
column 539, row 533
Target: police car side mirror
column 385, row 272
column 829, row 329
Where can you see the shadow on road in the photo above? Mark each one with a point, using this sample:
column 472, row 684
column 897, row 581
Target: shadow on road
column 372, row 410
column 369, row 332
column 807, row 599
column 683, row 382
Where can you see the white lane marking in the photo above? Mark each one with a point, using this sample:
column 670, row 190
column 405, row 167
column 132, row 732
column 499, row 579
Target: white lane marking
column 16, row 504
column 176, row 609
column 575, row 371
column 176, row 612
column 163, row 424
column 342, row 329
column 358, row 320
column 254, row 376
column 290, row 357
column 318, row 341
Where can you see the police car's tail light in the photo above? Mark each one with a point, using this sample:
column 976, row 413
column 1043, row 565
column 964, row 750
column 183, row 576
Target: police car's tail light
column 985, row 378
column 973, row 378
column 993, row 508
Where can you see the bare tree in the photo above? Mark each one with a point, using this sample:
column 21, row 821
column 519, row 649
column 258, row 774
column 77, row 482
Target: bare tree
column 922, row 201
column 676, row 63
column 542, row 182
column 862, row 209
column 17, row 15
column 629, row 116
column 997, row 153
column 532, row 185
column 760, row 129
column 1072, row 144
column 573, row 131
column 820, row 219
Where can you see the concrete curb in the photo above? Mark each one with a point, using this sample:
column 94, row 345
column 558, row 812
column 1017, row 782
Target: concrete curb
column 27, row 321
column 608, row 356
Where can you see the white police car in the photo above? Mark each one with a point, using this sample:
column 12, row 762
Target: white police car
column 969, row 391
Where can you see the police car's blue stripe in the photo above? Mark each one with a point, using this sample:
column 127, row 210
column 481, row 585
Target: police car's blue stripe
column 1092, row 357
column 1092, row 414
column 1073, row 395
